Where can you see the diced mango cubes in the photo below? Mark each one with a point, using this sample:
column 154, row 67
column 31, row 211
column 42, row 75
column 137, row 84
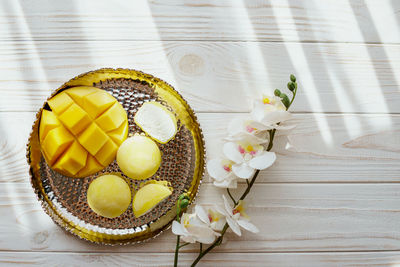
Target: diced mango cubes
column 93, row 138
column 49, row 122
column 73, row 160
column 112, row 118
column 81, row 133
column 75, row 119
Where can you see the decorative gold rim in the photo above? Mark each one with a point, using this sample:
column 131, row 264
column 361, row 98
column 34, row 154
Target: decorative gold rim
column 165, row 92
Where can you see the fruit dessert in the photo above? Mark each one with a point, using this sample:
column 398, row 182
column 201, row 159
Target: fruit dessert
column 149, row 196
column 139, row 157
column 157, row 121
column 82, row 131
column 109, row 195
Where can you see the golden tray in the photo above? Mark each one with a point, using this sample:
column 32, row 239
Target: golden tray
column 64, row 198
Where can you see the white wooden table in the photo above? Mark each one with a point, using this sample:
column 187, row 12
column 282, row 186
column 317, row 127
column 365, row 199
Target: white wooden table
column 332, row 197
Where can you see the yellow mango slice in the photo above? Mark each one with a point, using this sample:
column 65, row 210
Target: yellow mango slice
column 92, row 166
column 112, row 118
column 73, row 160
column 48, row 121
column 139, row 157
column 97, row 103
column 60, row 102
column 93, row 138
column 55, row 142
column 107, row 153
column 109, row 196
column 147, row 197
column 72, row 120
column 75, row 119
column 78, row 93
column 120, row 134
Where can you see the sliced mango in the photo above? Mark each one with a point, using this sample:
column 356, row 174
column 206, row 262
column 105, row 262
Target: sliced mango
column 73, row 160
column 55, row 142
column 78, row 93
column 60, row 102
column 147, row 197
column 49, row 121
column 97, row 103
column 120, row 134
column 107, row 153
column 75, row 119
column 92, row 166
column 93, row 138
column 112, row 118
column 72, row 140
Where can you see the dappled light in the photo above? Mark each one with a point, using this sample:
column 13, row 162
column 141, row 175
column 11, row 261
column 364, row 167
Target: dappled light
column 331, row 197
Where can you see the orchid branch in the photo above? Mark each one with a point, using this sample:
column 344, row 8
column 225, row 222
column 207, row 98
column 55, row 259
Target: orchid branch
column 292, row 86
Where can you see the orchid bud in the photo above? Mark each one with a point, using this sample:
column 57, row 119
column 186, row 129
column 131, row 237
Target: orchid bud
column 277, row 92
column 183, row 196
column 292, row 78
column 285, row 100
column 184, row 203
column 291, row 86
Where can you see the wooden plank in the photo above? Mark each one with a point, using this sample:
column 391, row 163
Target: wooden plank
column 332, row 77
column 291, row 217
column 212, row 259
column 256, row 20
column 322, row 148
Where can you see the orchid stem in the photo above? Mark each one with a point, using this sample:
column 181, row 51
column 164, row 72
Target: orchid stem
column 201, row 247
column 178, row 238
column 230, row 195
column 294, row 95
column 181, row 246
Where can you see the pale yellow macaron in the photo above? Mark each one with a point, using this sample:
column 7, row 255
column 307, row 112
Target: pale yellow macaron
column 139, row 157
column 109, row 195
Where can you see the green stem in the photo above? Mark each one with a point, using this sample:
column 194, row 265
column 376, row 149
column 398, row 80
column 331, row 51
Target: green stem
column 230, row 195
column 181, row 246
column 178, row 238
column 216, row 243
column 201, row 247
column 294, row 95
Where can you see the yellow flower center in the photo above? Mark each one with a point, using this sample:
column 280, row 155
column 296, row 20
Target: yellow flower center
column 213, row 216
column 186, row 222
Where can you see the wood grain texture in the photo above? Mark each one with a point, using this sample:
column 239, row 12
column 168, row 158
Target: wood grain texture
column 211, row 260
column 322, row 147
column 214, row 76
column 291, row 217
column 255, row 20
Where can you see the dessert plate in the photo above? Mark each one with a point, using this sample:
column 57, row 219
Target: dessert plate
column 64, row 198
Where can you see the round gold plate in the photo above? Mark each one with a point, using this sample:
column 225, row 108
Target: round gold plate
column 64, row 198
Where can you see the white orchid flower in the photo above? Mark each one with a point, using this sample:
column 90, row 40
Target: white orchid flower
column 221, row 172
column 247, row 158
column 268, row 112
column 214, row 219
column 236, row 217
column 192, row 229
column 248, row 130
